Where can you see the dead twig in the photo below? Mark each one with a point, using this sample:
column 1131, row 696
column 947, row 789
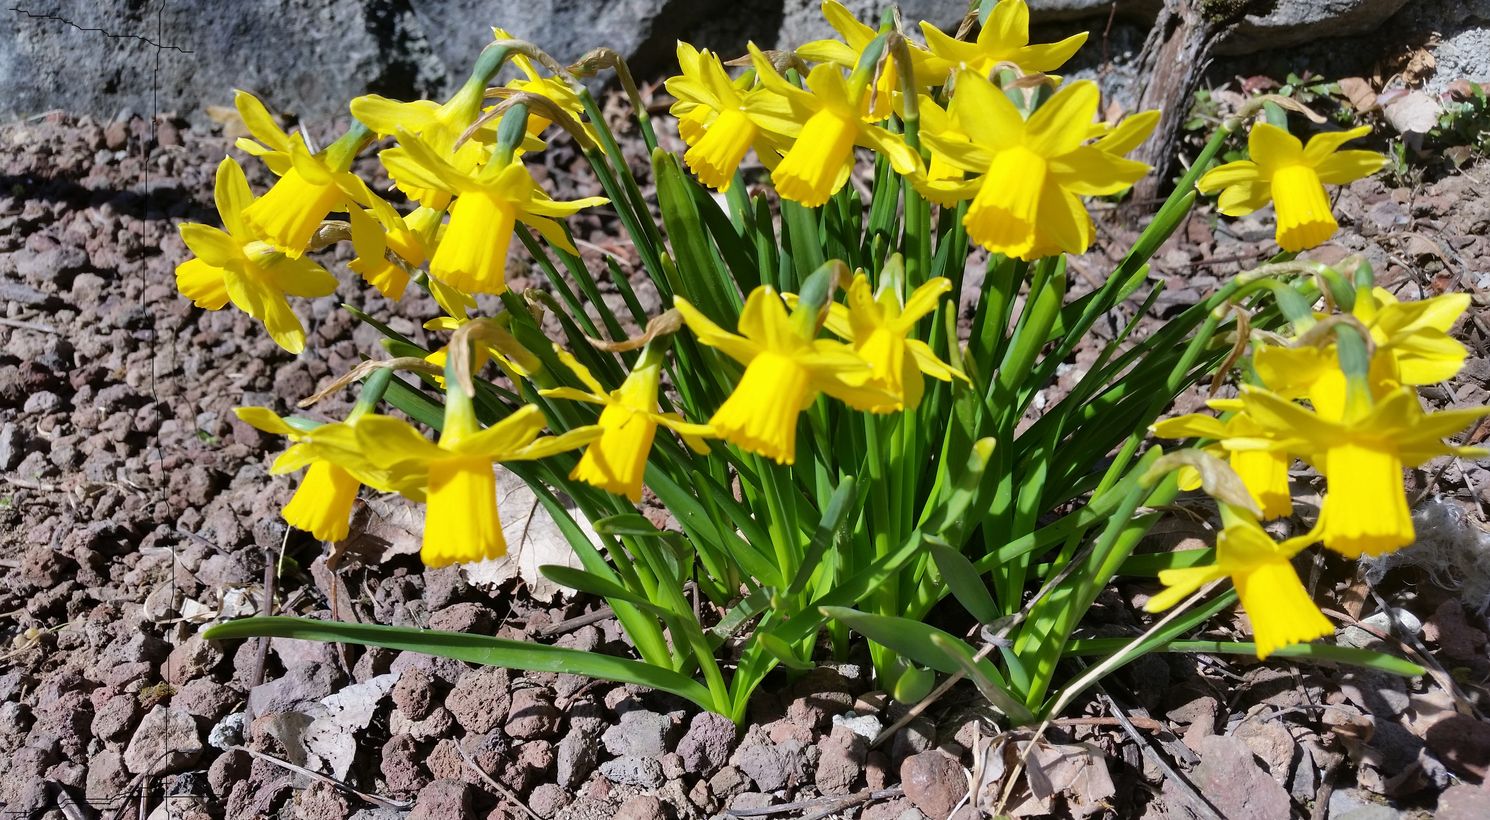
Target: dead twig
column 826, row 805
column 1194, row 800
column 261, row 655
column 24, row 325
column 571, row 624
column 1145, row 723
column 498, row 787
column 376, row 800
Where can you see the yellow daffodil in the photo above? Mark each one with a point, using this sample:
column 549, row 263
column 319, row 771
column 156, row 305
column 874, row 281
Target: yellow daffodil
column 1027, row 203
column 1412, row 347
column 1271, row 593
column 617, row 461
column 1362, row 452
column 472, row 253
column 322, row 504
column 878, row 326
column 438, row 125
column 235, row 265
column 824, row 125
column 388, row 245
column 1258, row 459
column 455, row 478
column 516, row 362
column 716, row 118
column 269, row 142
column 554, row 89
column 927, row 70
column 1005, row 38
column 1292, row 176
column 1415, row 334
column 785, row 369
column 943, row 182
column 314, row 186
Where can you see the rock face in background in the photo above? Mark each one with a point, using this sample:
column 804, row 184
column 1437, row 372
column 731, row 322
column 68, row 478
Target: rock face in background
column 303, row 56
column 1296, row 23
column 308, row 57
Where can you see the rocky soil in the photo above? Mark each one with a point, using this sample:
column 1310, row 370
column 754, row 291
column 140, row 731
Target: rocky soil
column 135, row 507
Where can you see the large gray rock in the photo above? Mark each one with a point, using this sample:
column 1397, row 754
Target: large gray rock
column 1050, row 10
column 1464, row 51
column 306, row 57
column 1295, row 22
column 567, row 29
column 309, row 57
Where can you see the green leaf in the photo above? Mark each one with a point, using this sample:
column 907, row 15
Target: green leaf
column 833, row 515
column 582, row 581
column 701, row 273
column 1150, row 565
column 634, row 524
column 909, row 638
column 781, row 651
column 914, row 684
column 966, row 584
column 1312, row 652
column 415, row 404
column 461, row 646
column 991, row 690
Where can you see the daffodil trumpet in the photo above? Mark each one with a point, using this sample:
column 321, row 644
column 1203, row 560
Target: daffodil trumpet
column 314, row 186
column 322, row 504
column 786, row 368
column 1271, row 593
column 616, row 461
column 234, row 264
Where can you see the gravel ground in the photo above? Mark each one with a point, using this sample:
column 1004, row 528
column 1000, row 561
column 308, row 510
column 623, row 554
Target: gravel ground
column 134, row 505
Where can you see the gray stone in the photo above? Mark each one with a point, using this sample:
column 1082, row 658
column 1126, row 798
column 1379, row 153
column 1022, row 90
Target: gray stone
column 933, row 782
column 323, row 54
column 771, row 766
column 461, row 28
column 865, row 726
column 707, row 743
column 644, row 772
column 1048, row 11
column 1464, row 27
column 12, row 445
column 326, row 53
column 575, row 758
column 640, row 733
column 1295, row 22
column 228, row 731
column 802, row 20
column 300, row 684
column 166, row 741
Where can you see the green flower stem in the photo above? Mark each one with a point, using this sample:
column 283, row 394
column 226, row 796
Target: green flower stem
column 340, row 154
column 372, row 393
column 632, row 192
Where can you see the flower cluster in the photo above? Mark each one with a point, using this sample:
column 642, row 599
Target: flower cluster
column 823, row 429
column 1340, row 396
column 1024, row 176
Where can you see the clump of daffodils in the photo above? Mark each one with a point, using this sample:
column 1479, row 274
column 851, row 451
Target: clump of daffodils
column 822, row 432
column 1339, row 395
